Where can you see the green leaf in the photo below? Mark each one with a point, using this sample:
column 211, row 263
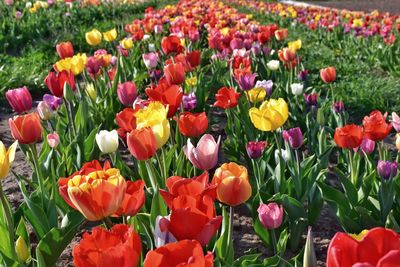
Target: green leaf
column 158, row 207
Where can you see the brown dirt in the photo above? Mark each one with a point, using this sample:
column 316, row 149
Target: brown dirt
column 391, row 6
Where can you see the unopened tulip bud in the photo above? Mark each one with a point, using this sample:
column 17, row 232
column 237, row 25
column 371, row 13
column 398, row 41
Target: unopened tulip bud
column 255, row 149
column 309, row 259
column 387, row 169
column 127, row 93
column 284, row 153
column 328, row 74
column 270, row 215
column 107, row 141
column 53, row 140
column 338, row 107
column 91, row 91
column 273, row 65
column 21, row 249
column 19, row 99
column 297, row 88
column 294, row 137
column 396, row 121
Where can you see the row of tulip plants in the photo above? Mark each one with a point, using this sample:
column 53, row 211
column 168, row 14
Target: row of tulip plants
column 162, row 132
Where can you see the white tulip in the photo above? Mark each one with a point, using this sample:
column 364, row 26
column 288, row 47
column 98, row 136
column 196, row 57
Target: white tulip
column 152, row 48
column 297, row 88
column 162, row 238
column 107, row 141
column 273, row 65
column 28, row 5
column 285, row 155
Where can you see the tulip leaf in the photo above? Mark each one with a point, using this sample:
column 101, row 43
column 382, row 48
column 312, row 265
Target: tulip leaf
column 158, row 207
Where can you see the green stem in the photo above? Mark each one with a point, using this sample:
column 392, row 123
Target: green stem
column 38, row 172
column 274, row 242
column 299, row 189
column 108, row 223
column 277, row 143
column 71, row 116
column 9, row 220
column 151, row 174
column 352, row 177
column 230, row 231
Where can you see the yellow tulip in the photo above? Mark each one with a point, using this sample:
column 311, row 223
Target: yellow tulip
column 22, row 250
column 295, row 45
column 93, row 37
column 6, row 158
column 63, row 64
column 271, row 115
column 91, row 91
column 155, row 117
column 191, row 81
column 110, row 35
column 78, row 63
column 256, row 95
column 127, row 43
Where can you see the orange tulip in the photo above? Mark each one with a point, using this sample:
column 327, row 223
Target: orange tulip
column 142, row 143
column 193, row 124
column 376, row 127
column 349, row 136
column 98, row 194
column 27, row 129
column 281, row 34
column 133, row 200
column 287, row 54
column 65, row 49
column 328, row 74
column 233, row 187
column 174, row 73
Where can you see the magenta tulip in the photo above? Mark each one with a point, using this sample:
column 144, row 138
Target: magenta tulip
column 53, row 140
column 19, row 99
column 294, row 137
column 127, row 93
column 270, row 215
column 205, row 155
column 255, row 149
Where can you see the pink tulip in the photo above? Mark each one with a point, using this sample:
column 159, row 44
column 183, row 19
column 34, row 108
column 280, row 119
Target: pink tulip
column 150, row 60
column 53, row 140
column 19, row 99
column 396, row 121
column 9, row 2
column 270, row 215
column 127, row 93
column 205, row 155
column 367, row 146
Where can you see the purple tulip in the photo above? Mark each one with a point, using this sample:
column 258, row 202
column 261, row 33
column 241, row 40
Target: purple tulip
column 246, row 80
column 311, row 99
column 236, row 43
column 205, row 155
column 387, row 169
column 255, row 149
column 18, row 14
column 338, row 107
column 303, row 75
column 247, row 43
column 294, row 137
column 93, row 66
column 19, row 99
column 155, row 75
column 127, row 93
column 52, row 101
column 270, row 215
column 267, row 85
column 189, row 101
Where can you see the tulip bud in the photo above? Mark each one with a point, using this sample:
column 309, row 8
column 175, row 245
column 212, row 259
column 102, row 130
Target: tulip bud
column 127, row 43
column 189, row 101
column 270, row 215
column 65, row 50
column 53, row 140
column 285, row 155
column 311, row 99
column 255, row 149
column 161, row 234
column 45, row 113
column 91, row 91
column 19, row 99
column 127, row 93
column 21, row 249
column 93, row 37
column 294, row 137
column 338, row 107
column 303, row 75
column 309, row 259
column 398, row 141
column 273, row 65
column 367, row 146
column 93, row 66
column 107, row 141
column 387, row 169
column 297, row 88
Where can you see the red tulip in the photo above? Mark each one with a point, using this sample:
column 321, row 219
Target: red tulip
column 171, row 44
column 349, row 136
column 328, row 74
column 19, row 99
column 193, row 125
column 126, row 120
column 375, row 126
column 193, row 58
column 27, row 129
column 170, row 95
column 174, row 73
column 120, row 246
column 182, row 253
column 281, row 34
column 65, row 49
column 287, row 54
column 55, row 82
column 142, row 143
column 379, row 247
column 133, row 200
column 226, row 98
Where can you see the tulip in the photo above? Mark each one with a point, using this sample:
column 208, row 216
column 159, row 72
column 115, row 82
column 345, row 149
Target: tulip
column 119, row 246
column 169, row 95
column 193, row 124
column 150, row 60
column 205, row 155
column 375, row 126
column 226, row 98
column 295, row 45
column 270, row 215
column 91, row 91
column 162, row 236
column 21, row 248
column 398, row 141
column 182, row 253
column 93, row 66
column 303, row 75
column 133, row 200
column 142, row 143
column 281, row 34
column 171, row 44
column 294, row 137
column 233, row 187
column 387, row 170
column 127, row 93
column 285, row 154
column 127, row 43
column 287, row 54
column 273, row 65
column 189, row 101
column 107, row 141
column 255, row 149
column 349, row 136
column 96, row 195
column 126, row 120
column 297, row 88
column 56, row 82
column 256, row 95
column 93, row 37
column 309, row 258
column 193, row 58
column 53, row 102
column 53, row 140
column 378, row 247
column 266, row 85
column 45, row 113
column 65, row 49
column 245, row 80
column 338, row 107
column 396, row 121
column 19, row 99
column 6, row 158
column 271, row 115
column 174, row 73
column 27, row 129
column 110, row 35
column 328, row 74
column 367, row 146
